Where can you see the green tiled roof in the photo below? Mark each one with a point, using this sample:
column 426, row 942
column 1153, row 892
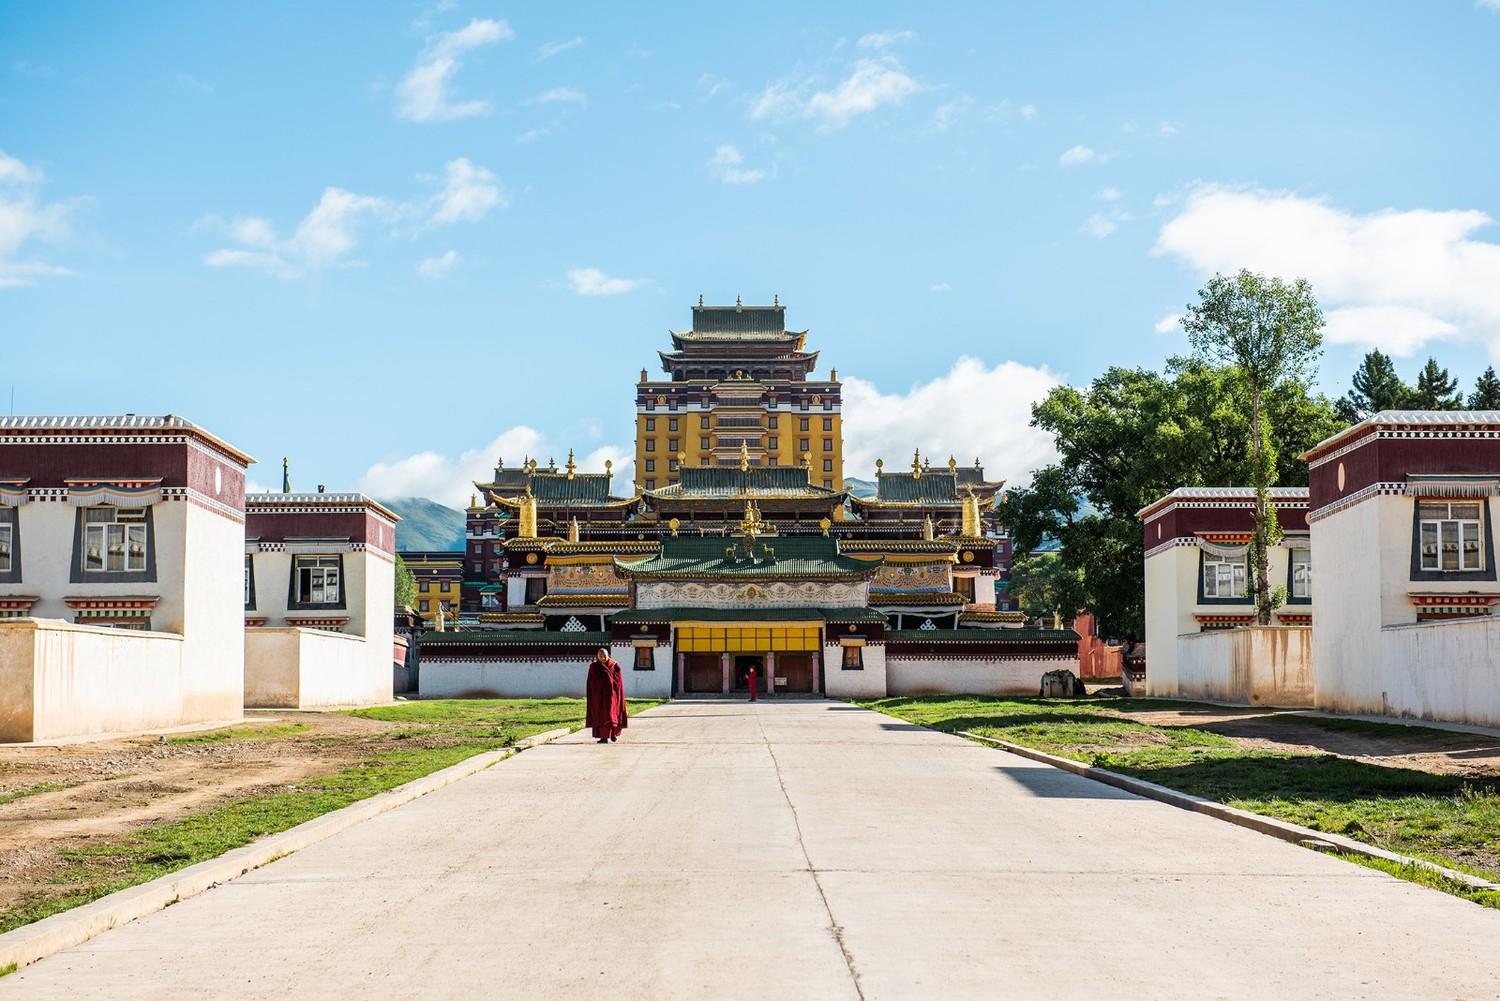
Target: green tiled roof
column 932, row 486
column 795, row 556
column 686, row 614
column 738, row 323
column 538, row 637
column 719, row 482
column 976, row 635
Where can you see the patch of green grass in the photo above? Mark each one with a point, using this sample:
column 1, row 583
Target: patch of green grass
column 453, row 730
column 241, row 733
column 8, row 969
column 36, row 790
column 1426, row 877
column 1445, row 819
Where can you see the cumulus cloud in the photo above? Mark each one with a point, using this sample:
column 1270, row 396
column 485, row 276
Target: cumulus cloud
column 592, row 281
column 332, row 229
column 880, row 41
column 26, row 219
column 1169, row 323
column 450, row 479
column 433, row 268
column 728, row 165
column 1390, row 279
column 1109, row 195
column 561, row 95
column 1077, row 156
column 1029, row 111
column 973, row 410
column 873, row 84
column 551, row 49
column 531, row 136
column 423, row 94
column 940, row 287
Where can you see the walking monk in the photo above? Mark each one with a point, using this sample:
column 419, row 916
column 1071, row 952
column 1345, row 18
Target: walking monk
column 605, row 692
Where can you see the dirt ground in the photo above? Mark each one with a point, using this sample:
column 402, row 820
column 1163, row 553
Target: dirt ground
column 1442, row 752
column 114, row 786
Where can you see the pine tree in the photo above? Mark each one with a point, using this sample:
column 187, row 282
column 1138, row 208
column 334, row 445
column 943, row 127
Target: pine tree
column 1436, row 390
column 1486, row 395
column 1377, row 387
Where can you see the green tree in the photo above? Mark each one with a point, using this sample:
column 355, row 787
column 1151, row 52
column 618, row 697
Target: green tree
column 406, row 584
column 1271, row 333
column 1125, row 440
column 1486, row 395
column 1435, row 390
column 1377, row 387
column 1044, row 585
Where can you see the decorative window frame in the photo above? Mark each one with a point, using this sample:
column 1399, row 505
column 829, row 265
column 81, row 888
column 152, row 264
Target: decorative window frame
column 294, row 605
column 846, row 645
column 1203, row 599
column 77, row 574
column 10, row 520
column 249, row 583
column 1291, row 565
column 1486, row 531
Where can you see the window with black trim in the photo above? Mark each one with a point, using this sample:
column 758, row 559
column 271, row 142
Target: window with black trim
column 854, row 658
column 1225, row 577
column 10, row 556
column 536, row 589
column 114, row 539
column 317, row 581
column 249, row 582
column 645, row 658
column 1300, row 588
column 1449, row 536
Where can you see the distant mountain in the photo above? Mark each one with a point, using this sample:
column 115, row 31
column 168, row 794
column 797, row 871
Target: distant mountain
column 426, row 525
column 862, row 489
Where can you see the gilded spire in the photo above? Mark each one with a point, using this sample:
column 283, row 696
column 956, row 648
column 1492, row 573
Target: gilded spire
column 927, row 532
column 571, row 464
column 971, row 525
column 527, row 528
column 744, row 458
column 286, row 476
column 573, row 530
column 879, row 466
column 952, row 464
column 916, row 464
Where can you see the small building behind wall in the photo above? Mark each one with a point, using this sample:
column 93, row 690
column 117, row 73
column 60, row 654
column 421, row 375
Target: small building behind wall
column 319, row 596
column 1403, row 506
column 1200, row 580
column 120, row 607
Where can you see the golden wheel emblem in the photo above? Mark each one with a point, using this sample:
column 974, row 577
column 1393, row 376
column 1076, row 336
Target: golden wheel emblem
column 531, row 557
column 968, row 557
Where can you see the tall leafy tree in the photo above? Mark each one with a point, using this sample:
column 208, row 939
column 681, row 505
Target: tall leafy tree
column 1377, row 387
column 1435, row 389
column 1486, row 395
column 1044, row 584
column 1128, row 438
column 1271, row 332
column 406, row 584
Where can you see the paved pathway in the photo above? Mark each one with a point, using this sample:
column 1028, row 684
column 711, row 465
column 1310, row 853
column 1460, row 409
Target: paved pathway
column 794, row 850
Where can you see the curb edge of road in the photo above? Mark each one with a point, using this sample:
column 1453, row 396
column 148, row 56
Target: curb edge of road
column 38, row 940
column 1286, row 831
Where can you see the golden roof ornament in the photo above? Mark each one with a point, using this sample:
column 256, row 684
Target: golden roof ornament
column 952, row 464
column 879, row 466
column 833, row 375
column 927, row 531
column 571, row 464
column 824, row 524
column 473, row 499
column 674, row 525
column 500, row 464
column 971, row 525
column 573, row 530
column 744, row 458
column 527, row 528
column 916, row 464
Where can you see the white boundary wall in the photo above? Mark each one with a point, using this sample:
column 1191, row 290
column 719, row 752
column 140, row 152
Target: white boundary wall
column 970, row 677
column 288, row 667
column 1258, row 665
column 1447, row 671
column 870, row 683
column 506, row 679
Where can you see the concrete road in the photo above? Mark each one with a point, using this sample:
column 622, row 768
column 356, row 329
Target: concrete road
column 794, row 850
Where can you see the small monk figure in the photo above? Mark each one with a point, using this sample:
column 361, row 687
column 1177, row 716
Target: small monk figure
column 752, row 682
column 605, row 698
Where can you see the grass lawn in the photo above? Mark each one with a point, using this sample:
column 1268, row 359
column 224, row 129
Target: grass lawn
column 1447, row 819
column 429, row 735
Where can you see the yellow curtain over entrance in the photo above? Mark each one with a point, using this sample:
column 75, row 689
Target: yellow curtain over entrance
column 750, row 637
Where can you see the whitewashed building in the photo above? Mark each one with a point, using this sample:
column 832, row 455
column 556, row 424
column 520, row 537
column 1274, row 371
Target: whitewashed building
column 1200, row 598
column 1403, row 509
column 319, row 600
column 120, row 540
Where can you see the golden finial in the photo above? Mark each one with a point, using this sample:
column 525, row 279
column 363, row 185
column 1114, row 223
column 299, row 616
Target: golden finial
column 744, row 458
column 807, row 459
column 527, row 528
column 682, row 458
column 737, row 302
column 571, row 464
column 824, row 524
column 643, row 375
column 927, row 463
column 916, row 464
column 500, row 463
column 927, row 528
column 573, row 530
column 952, row 464
column 473, row 499
column 833, row 375
column 674, row 524
column 879, row 466
column 776, row 300
column 971, row 524
column 609, row 467
column 700, row 300
column 551, row 464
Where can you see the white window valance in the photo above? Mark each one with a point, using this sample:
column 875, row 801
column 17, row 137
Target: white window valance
column 114, row 495
column 1296, row 541
column 316, row 547
column 13, row 493
column 1461, row 487
column 1229, row 551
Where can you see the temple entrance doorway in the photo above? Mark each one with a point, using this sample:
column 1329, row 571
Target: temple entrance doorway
column 794, row 673
column 703, row 673
column 741, row 675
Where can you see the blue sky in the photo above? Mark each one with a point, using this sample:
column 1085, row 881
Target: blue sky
column 316, row 228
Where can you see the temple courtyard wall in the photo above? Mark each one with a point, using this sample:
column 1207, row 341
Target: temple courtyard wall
column 61, row 680
column 1256, row 665
column 538, row 677
column 1448, row 671
column 295, row 668
column 938, row 676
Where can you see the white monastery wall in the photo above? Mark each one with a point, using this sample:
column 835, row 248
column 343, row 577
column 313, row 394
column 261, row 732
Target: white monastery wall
column 869, row 683
column 213, row 613
column 1170, row 593
column 970, row 677
column 1435, row 670
column 291, row 668
column 497, row 679
column 1259, row 665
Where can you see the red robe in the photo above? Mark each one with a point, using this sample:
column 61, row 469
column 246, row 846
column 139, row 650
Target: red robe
column 605, row 691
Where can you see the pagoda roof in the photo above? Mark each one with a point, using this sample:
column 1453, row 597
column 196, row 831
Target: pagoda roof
column 933, row 488
column 554, row 489
column 684, row 557
column 738, row 324
column 734, row 483
column 756, row 614
column 726, row 353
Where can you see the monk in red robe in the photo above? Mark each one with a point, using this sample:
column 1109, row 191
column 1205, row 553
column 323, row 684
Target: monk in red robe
column 605, row 691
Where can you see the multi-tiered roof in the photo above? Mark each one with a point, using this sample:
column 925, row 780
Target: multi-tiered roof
column 744, row 342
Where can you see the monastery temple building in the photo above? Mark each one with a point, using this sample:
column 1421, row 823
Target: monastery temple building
column 739, row 546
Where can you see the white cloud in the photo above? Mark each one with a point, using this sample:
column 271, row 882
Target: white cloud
column 24, row 219
column 940, row 287
column 1100, row 225
column 190, row 82
column 592, row 281
column 432, row 268
column 1166, row 129
column 1169, row 323
column 1109, row 195
column 728, row 166
column 422, row 95
column 469, row 192
column 531, row 136
column 972, row 411
column 450, row 480
column 551, row 49
column 561, row 95
column 1029, row 111
column 872, row 84
column 1077, row 156
column 1487, row 4
column 880, row 41
column 1388, row 279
